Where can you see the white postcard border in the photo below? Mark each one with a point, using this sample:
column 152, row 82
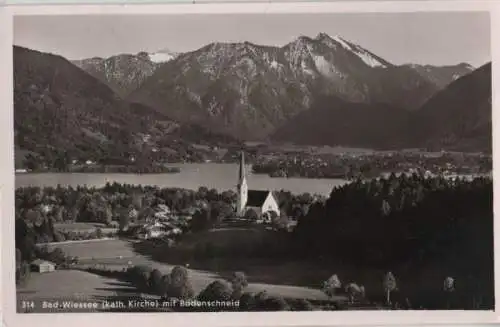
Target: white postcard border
column 10, row 318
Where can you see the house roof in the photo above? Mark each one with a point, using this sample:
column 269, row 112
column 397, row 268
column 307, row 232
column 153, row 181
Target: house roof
column 256, row 198
column 41, row 262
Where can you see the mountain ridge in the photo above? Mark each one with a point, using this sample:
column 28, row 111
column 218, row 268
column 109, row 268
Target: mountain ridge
column 249, row 90
column 456, row 118
column 124, row 72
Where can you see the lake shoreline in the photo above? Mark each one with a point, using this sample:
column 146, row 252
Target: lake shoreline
column 219, row 176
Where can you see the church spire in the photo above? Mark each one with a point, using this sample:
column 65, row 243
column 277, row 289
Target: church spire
column 242, row 187
column 242, row 168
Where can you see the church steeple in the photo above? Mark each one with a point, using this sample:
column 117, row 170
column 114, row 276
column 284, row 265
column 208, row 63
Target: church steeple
column 242, row 187
column 241, row 177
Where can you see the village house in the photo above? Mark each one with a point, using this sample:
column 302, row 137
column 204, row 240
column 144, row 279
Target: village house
column 42, row 266
column 158, row 229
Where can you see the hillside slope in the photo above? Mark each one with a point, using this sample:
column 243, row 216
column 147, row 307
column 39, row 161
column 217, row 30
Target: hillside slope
column 442, row 76
column 456, row 118
column 459, row 117
column 63, row 113
column 332, row 121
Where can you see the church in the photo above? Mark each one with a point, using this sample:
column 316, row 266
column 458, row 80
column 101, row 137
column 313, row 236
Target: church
column 262, row 202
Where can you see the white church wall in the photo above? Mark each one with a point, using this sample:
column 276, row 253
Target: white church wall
column 270, row 204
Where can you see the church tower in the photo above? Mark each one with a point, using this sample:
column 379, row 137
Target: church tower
column 242, row 186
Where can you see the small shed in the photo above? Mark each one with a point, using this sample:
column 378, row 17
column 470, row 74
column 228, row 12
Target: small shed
column 42, row 266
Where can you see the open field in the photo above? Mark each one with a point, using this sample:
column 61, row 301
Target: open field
column 117, row 254
column 234, row 237
column 83, row 227
column 58, row 244
column 70, row 284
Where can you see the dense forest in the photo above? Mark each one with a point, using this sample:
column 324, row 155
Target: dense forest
column 423, row 229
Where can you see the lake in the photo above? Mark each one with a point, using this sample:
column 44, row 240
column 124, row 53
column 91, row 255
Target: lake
column 219, row 176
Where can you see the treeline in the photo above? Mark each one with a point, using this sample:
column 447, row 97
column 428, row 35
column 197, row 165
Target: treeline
column 115, row 201
column 370, row 166
column 292, row 169
column 119, row 206
column 177, row 285
column 423, row 229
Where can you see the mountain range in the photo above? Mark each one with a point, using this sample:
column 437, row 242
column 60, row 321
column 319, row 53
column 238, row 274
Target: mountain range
column 321, row 90
column 249, row 91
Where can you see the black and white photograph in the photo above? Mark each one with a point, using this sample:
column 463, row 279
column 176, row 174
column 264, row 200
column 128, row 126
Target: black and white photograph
column 253, row 162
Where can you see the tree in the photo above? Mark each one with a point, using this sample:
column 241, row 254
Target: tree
column 229, row 197
column 18, row 266
column 389, row 286
column 331, row 285
column 24, row 273
column 355, row 291
column 251, row 215
column 124, row 220
column 449, row 289
column 202, row 193
column 137, row 201
column 57, row 256
column 32, row 162
column 180, row 286
column 164, row 285
column 274, row 304
column 140, row 275
column 61, row 161
column 155, row 281
column 386, row 208
column 220, row 210
column 248, row 302
column 25, row 240
column 302, row 305
column 18, row 258
column 238, row 283
column 273, row 215
column 217, row 290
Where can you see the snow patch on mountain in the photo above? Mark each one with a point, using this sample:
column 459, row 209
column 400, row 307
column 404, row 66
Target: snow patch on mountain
column 161, row 56
column 306, row 69
column 324, row 67
column 360, row 52
column 274, row 64
column 370, row 60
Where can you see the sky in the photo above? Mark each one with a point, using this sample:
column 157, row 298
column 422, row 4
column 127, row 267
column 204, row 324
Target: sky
column 435, row 38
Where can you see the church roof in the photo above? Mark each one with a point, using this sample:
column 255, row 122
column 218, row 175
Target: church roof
column 256, row 198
